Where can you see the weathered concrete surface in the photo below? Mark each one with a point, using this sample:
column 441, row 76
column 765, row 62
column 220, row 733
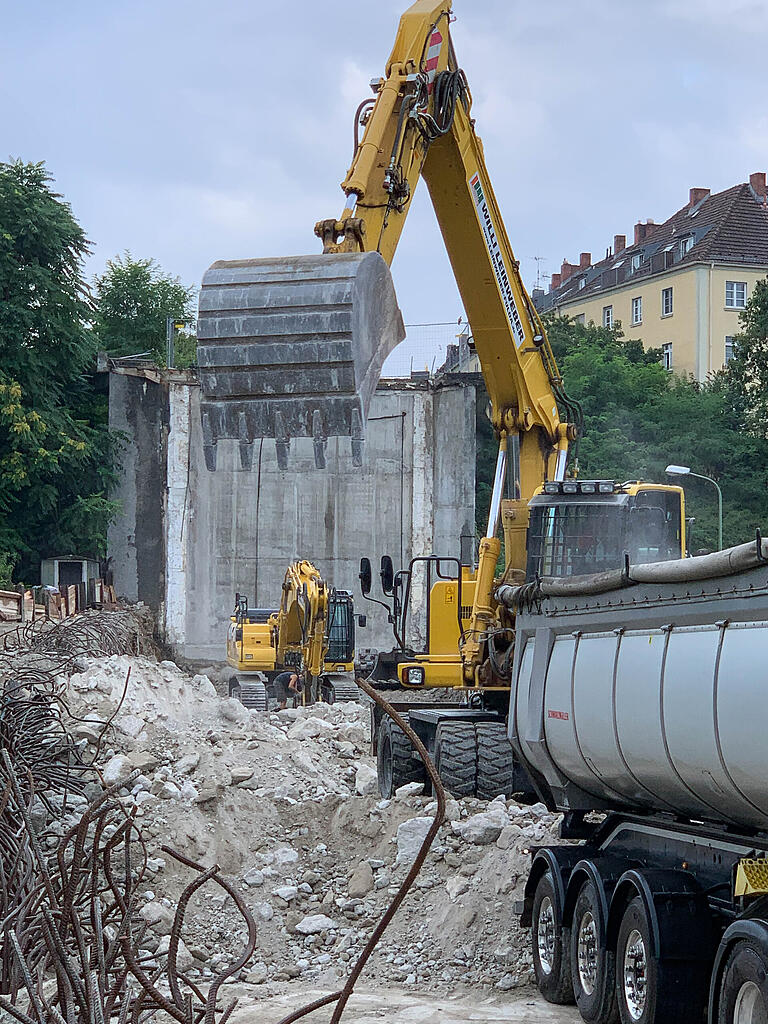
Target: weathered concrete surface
column 403, row 1007
column 232, row 530
column 138, row 408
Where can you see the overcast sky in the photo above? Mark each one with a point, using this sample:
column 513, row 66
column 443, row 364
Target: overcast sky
column 191, row 131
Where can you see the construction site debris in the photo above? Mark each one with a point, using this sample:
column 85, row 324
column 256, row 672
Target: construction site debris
column 275, row 800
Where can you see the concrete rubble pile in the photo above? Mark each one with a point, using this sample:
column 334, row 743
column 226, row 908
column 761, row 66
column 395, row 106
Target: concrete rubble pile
column 287, row 804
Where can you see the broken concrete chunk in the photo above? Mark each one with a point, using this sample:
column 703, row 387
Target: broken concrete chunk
column 187, row 764
column 286, row 892
column 314, row 924
column 366, row 780
column 117, row 770
column 410, row 836
column 484, row 828
column 409, row 789
column 361, row 881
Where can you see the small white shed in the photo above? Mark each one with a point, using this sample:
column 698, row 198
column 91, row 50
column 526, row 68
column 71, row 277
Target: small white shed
column 66, row 570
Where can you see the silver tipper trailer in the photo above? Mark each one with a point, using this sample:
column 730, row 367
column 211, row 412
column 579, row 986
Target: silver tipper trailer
column 637, row 711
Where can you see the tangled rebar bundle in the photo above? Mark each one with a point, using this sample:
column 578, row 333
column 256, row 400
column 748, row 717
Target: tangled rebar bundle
column 73, row 944
column 72, row 940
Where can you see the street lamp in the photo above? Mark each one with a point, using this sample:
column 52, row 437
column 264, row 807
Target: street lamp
column 686, row 471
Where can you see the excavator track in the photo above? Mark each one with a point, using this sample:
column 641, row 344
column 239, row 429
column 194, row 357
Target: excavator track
column 293, row 347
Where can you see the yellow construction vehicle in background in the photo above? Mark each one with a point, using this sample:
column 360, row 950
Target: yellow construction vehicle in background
column 292, row 347
column 313, row 632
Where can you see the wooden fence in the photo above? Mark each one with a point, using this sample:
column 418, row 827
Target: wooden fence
column 29, row 604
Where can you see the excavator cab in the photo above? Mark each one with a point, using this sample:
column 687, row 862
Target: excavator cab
column 341, row 632
column 579, row 527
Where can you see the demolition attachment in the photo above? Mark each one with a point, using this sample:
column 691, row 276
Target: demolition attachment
column 293, row 347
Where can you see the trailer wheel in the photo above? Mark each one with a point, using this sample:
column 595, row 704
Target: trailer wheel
column 744, row 988
column 254, row 696
column 495, row 761
column 395, row 765
column 593, row 967
column 456, row 757
column 550, row 942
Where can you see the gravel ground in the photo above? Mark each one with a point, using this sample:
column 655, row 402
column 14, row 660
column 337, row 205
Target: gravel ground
column 286, row 804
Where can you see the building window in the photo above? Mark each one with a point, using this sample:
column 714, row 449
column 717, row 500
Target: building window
column 666, row 355
column 730, row 348
column 582, row 282
column 608, row 317
column 686, row 244
column 580, row 318
column 637, row 259
column 735, row 294
column 666, row 302
column 637, row 310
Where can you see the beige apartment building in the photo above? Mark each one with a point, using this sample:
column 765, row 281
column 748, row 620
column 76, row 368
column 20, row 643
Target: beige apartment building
column 680, row 285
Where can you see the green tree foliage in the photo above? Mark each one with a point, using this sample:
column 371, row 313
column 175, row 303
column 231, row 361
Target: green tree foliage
column 747, row 377
column 638, row 418
column 56, row 454
column 134, row 299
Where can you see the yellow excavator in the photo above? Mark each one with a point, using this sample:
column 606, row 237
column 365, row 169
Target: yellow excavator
column 293, row 347
column 313, row 632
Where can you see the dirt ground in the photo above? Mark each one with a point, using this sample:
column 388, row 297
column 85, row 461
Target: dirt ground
column 399, row 1007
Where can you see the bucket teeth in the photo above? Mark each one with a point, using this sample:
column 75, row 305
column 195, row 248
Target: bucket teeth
column 293, row 347
column 209, row 454
column 319, row 439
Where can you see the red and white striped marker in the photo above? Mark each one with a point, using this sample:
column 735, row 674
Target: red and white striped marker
column 433, row 56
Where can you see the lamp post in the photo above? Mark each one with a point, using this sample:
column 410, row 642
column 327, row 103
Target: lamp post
column 686, row 471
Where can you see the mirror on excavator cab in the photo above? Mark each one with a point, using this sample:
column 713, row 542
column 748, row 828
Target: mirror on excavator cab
column 365, row 576
column 387, row 574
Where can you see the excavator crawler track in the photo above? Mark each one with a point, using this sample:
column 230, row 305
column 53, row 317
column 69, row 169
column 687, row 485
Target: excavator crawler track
column 293, row 347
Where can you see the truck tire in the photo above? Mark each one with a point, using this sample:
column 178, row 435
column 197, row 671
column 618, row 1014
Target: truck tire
column 456, row 757
column 495, row 761
column 593, row 967
column 253, row 695
column 550, row 944
column 744, row 988
column 650, row 991
column 395, row 765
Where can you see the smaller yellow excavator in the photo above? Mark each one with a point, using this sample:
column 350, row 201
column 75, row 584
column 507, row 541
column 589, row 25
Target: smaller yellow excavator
column 313, row 632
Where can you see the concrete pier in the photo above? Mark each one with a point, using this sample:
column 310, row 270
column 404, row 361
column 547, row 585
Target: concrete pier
column 188, row 539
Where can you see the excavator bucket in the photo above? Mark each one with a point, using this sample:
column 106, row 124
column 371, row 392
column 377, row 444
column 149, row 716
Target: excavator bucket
column 293, row 347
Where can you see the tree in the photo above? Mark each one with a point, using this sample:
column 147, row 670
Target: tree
column 45, row 341
column 134, row 299
column 57, row 457
column 747, row 375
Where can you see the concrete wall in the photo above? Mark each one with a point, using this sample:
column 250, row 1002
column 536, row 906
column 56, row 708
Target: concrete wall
column 234, row 531
column 138, row 408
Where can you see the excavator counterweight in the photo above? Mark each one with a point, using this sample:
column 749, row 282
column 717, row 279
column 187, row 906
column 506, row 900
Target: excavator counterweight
column 293, row 347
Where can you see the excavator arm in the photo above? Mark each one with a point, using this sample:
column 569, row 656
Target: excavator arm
column 302, row 618
column 294, row 347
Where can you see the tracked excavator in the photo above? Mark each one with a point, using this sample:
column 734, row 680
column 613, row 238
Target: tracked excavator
column 626, row 678
column 293, row 347
column 313, row 632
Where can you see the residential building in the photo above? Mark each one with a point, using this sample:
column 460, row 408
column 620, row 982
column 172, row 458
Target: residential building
column 680, row 285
